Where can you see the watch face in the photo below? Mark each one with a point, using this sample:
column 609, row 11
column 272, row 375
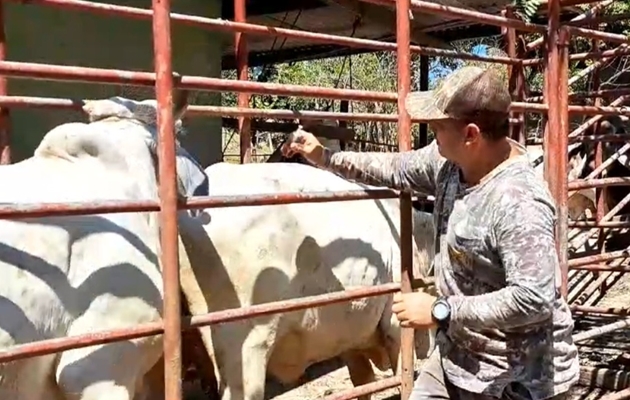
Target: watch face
column 441, row 311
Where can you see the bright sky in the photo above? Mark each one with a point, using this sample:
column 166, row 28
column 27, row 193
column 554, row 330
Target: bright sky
column 438, row 71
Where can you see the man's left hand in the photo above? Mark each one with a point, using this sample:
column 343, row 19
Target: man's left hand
column 413, row 310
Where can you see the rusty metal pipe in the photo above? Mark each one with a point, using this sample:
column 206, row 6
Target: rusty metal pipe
column 242, row 73
column 608, row 162
column 580, row 184
column 51, row 346
column 596, row 55
column 614, row 138
column 602, row 268
column 35, row 210
column 218, row 24
column 468, row 15
column 122, row 77
column 597, row 258
column 552, row 104
column 600, row 310
column 562, row 142
column 600, row 331
column 606, row 224
column 594, row 67
column 580, row 130
column 169, row 256
column 516, row 79
column 573, row 109
column 197, row 111
column 364, row 390
column 483, row 18
column 585, row 16
column 584, row 95
column 5, row 122
column 403, row 60
column 602, row 19
column 599, row 93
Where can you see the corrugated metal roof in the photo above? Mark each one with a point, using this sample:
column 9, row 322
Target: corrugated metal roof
column 377, row 23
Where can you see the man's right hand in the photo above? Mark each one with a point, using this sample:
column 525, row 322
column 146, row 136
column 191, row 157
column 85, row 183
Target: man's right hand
column 305, row 144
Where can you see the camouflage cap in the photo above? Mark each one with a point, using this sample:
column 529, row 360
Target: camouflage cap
column 470, row 93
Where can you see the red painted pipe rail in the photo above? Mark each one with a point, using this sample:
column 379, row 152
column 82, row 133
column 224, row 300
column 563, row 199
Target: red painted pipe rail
column 50, row 346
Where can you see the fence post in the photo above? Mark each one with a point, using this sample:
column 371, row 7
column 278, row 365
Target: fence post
column 403, row 33
column 169, row 256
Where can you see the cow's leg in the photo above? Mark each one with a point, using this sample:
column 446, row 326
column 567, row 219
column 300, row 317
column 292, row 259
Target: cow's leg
column 360, row 369
column 244, row 372
column 106, row 372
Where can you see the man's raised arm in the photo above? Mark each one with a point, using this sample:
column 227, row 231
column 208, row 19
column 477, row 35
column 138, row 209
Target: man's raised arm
column 415, row 170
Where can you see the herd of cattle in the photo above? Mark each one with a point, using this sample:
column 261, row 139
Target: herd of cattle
column 73, row 275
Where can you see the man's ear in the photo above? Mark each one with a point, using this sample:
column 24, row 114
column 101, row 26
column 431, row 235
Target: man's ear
column 472, row 133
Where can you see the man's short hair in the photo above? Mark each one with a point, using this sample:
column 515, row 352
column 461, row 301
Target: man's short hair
column 471, row 95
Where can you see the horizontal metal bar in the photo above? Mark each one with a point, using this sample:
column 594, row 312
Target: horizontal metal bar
column 468, row 15
column 483, row 18
column 34, row 210
column 613, row 138
column 51, row 346
column 600, row 310
column 603, row 224
column 603, row 268
column 595, row 34
column 364, row 390
column 580, row 184
column 592, row 55
column 600, row 331
column 221, row 25
column 597, row 258
column 122, row 77
column 197, row 111
column 573, row 109
column 601, row 19
column 570, row 3
column 536, row 97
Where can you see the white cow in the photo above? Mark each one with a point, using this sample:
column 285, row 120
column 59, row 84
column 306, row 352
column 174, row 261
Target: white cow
column 251, row 255
column 74, row 275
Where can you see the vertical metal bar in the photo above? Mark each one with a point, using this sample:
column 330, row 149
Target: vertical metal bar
column 424, row 85
column 5, row 123
column 403, row 34
column 169, row 256
column 344, row 107
column 600, row 193
column 242, row 70
column 545, row 117
column 562, row 179
column 516, row 78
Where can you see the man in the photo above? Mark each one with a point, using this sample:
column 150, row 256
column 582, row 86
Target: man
column 504, row 331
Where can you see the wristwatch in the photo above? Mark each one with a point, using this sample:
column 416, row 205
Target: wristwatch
column 441, row 312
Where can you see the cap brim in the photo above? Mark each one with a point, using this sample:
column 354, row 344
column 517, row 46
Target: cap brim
column 421, row 106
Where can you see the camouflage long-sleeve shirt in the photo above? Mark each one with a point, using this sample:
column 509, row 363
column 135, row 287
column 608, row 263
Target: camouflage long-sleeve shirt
column 496, row 261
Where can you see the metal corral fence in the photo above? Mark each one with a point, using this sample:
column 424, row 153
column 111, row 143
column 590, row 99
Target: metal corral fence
column 555, row 105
